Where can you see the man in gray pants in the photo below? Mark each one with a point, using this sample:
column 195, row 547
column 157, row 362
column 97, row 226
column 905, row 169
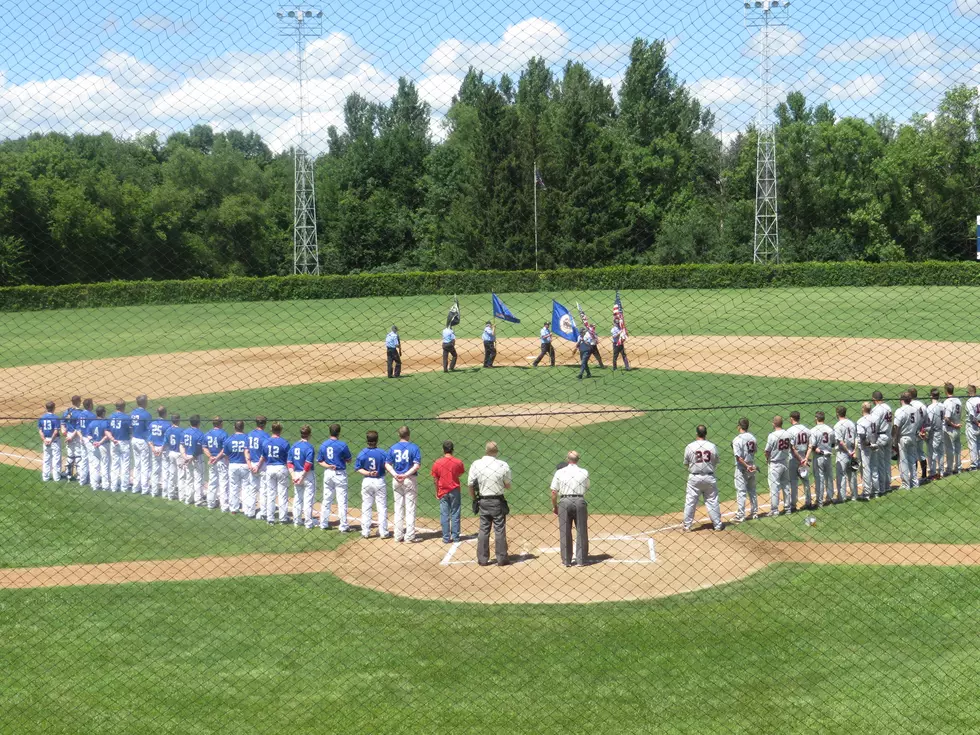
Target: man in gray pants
column 568, row 488
column 493, row 477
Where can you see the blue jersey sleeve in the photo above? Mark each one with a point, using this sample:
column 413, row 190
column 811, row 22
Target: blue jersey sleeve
column 345, row 454
column 416, row 455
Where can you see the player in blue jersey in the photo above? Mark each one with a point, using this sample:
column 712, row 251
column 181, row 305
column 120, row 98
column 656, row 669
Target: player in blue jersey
column 121, row 432
column 174, row 465
column 238, row 474
column 49, row 429
column 73, row 442
column 217, row 465
column 192, row 454
column 255, row 491
column 303, row 475
column 370, row 464
column 333, row 457
column 139, row 420
column 99, row 465
column 83, row 418
column 158, row 451
column 276, row 454
column 403, row 462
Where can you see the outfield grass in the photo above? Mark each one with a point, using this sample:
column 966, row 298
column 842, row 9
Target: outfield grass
column 636, row 464
column 933, row 313
column 47, row 524
column 794, row 649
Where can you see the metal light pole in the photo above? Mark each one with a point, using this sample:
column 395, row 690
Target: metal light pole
column 302, row 24
column 766, row 15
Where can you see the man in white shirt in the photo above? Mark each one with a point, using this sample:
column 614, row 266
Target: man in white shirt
column 491, row 477
column 798, row 464
column 700, row 459
column 867, row 435
column 905, row 434
column 568, row 488
column 777, row 455
column 846, row 434
column 934, row 435
column 952, row 423
column 744, row 447
column 881, row 414
column 921, row 415
column 818, row 456
column 973, row 426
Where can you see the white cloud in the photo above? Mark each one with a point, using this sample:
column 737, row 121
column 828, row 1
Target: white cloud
column 128, row 71
column 915, row 49
column 859, row 88
column 438, row 90
column 929, row 80
column 782, row 42
column 530, row 37
column 724, row 90
column 967, row 7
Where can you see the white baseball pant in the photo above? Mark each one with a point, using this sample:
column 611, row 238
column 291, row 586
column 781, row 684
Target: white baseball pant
column 374, row 491
column 973, row 444
column 51, row 461
column 76, row 454
column 276, row 491
column 884, row 457
column 141, row 467
column 937, row 457
column 303, row 496
column 869, row 472
column 158, row 471
column 698, row 486
column 823, row 478
column 846, row 477
column 253, row 488
column 334, row 486
column 779, row 483
column 953, row 447
column 94, row 466
column 218, row 484
column 120, row 465
column 745, row 484
column 794, row 482
column 907, row 470
column 238, row 483
column 193, row 491
column 406, row 495
column 105, row 466
column 175, row 469
column 85, row 452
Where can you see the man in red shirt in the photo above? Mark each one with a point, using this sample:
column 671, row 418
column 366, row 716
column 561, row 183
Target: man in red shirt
column 447, row 470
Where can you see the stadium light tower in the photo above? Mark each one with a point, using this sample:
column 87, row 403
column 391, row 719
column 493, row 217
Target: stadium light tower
column 765, row 15
column 302, row 24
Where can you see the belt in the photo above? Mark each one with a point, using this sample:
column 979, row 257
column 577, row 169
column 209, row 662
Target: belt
column 702, row 474
column 562, row 497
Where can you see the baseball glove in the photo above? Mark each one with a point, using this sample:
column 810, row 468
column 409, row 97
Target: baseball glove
column 853, row 463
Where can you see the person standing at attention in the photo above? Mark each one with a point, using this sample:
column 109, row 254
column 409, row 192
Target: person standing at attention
column 492, row 476
column 393, row 345
column 568, row 488
column 446, row 471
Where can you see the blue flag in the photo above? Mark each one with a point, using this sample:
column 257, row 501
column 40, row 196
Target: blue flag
column 500, row 311
column 563, row 323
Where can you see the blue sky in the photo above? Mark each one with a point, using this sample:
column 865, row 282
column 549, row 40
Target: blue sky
column 165, row 65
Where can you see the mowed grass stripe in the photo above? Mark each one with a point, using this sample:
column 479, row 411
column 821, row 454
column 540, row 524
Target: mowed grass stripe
column 790, row 650
column 932, row 313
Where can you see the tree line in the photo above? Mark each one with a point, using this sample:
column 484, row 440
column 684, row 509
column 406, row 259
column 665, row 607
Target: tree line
column 638, row 180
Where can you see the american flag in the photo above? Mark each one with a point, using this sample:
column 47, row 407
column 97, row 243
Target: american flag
column 618, row 314
column 585, row 319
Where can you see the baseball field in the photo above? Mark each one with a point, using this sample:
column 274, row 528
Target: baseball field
column 124, row 614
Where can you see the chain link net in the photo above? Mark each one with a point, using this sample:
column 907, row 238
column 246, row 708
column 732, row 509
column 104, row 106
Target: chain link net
column 723, row 510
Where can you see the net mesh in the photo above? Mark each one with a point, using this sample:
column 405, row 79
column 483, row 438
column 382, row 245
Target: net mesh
column 220, row 563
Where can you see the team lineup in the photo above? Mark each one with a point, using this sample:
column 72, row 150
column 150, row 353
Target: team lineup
column 252, row 473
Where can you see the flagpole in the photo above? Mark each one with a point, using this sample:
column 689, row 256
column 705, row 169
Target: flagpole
column 534, row 184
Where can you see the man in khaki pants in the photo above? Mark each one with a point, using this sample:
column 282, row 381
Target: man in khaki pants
column 568, row 488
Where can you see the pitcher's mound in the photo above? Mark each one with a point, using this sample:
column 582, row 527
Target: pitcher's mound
column 540, row 416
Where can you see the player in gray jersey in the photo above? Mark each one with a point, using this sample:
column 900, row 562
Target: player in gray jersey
column 881, row 414
column 744, row 447
column 867, row 441
column 934, row 435
column 845, row 433
column 701, row 459
column 905, row 434
column 973, row 426
column 952, row 422
column 920, row 445
column 798, row 465
column 778, row 446
column 818, row 456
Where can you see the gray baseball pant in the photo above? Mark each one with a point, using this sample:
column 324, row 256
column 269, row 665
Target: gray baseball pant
column 779, row 482
column 492, row 513
column 705, row 486
column 745, row 485
column 823, row 478
column 907, row 455
column 846, row 477
column 794, row 481
column 869, row 471
column 951, row 443
column 573, row 511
